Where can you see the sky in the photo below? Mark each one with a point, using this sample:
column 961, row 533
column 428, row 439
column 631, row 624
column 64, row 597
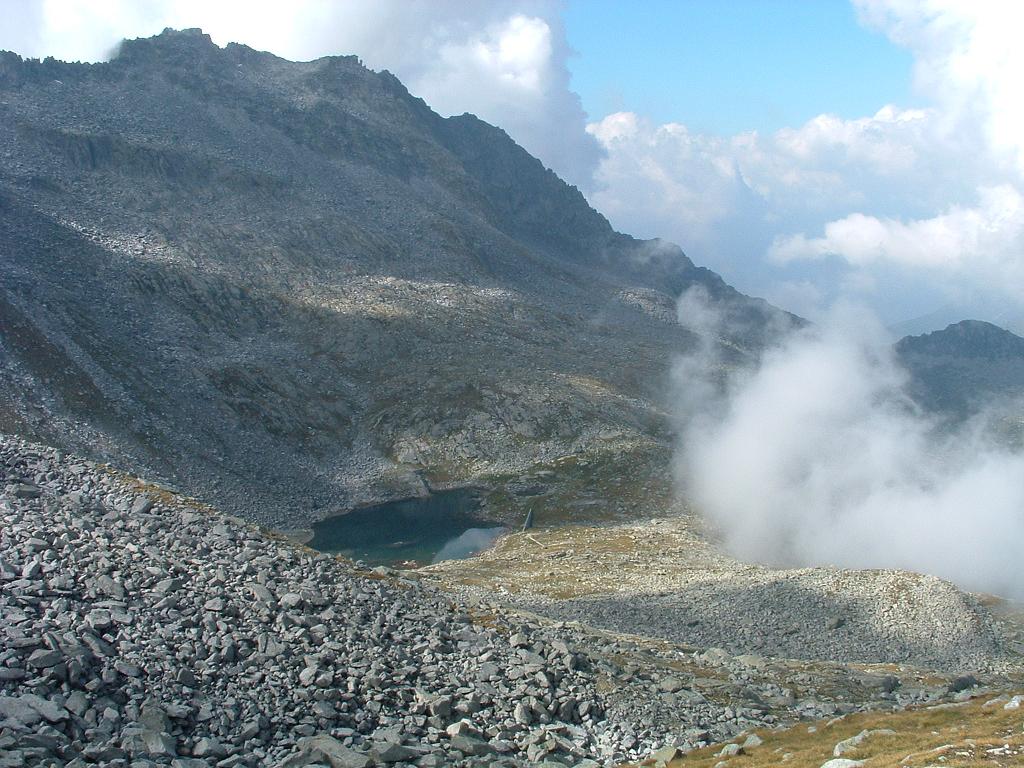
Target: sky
column 810, row 152
column 731, row 67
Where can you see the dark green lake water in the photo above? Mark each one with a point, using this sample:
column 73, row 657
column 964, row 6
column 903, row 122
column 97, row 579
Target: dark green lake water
column 442, row 526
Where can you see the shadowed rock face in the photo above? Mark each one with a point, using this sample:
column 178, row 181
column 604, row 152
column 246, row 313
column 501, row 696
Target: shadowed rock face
column 287, row 287
column 964, row 368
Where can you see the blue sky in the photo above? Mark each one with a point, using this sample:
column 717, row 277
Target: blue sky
column 729, row 67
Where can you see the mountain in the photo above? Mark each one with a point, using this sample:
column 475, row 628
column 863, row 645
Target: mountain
column 965, row 367
column 290, row 287
column 1002, row 316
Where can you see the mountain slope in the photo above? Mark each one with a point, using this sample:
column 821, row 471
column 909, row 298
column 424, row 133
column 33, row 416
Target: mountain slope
column 290, row 287
column 965, row 367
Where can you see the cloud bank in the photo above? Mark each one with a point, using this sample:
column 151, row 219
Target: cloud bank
column 818, row 457
column 922, row 201
column 505, row 61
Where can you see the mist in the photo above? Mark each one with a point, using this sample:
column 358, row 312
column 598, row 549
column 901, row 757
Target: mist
column 815, row 455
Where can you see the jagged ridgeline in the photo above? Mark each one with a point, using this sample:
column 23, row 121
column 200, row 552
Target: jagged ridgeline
column 285, row 287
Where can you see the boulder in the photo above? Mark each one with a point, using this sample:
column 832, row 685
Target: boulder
column 326, row 748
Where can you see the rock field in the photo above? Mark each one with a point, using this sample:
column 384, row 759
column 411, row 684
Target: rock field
column 141, row 628
column 665, row 579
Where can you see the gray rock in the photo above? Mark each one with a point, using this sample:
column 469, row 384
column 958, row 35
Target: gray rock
column 752, row 741
column 50, row 711
column 462, row 728
column 522, row 714
column 43, row 659
column 469, row 745
column 143, row 741
column 441, row 706
column 167, row 586
column 215, row 604
column 128, row 670
column 671, row 684
column 854, row 742
column 141, row 506
column 25, row 491
column 962, row 683
column 208, row 747
column 395, row 753
column 331, row 751
column 262, row 594
column 109, row 586
column 665, row 754
column 17, row 708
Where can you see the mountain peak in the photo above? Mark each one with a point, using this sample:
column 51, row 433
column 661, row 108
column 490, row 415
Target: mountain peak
column 964, row 367
column 337, row 269
column 968, row 338
column 172, row 46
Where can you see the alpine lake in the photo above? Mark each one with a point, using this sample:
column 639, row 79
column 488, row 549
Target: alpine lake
column 445, row 525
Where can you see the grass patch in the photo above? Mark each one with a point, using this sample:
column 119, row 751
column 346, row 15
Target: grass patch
column 968, row 734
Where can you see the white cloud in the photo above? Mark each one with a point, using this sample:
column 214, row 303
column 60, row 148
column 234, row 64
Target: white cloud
column 726, row 199
column 504, row 61
column 928, row 197
column 817, row 458
column 986, row 239
column 968, row 57
column 657, row 173
column 515, row 53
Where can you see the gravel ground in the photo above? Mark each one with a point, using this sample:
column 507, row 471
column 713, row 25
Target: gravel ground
column 139, row 627
column 142, row 628
column 664, row 579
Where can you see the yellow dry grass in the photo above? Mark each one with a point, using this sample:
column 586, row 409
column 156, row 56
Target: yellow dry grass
column 951, row 736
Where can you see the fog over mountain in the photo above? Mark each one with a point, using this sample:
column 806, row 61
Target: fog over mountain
column 838, row 448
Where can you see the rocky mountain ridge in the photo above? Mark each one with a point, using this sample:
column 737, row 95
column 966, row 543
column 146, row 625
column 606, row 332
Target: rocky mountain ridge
column 965, row 368
column 288, row 287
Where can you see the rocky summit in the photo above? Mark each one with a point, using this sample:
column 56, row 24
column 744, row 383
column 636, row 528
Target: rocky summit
column 965, row 368
column 290, row 287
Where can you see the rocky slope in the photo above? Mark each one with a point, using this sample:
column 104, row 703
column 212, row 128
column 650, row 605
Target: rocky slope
column 136, row 624
column 662, row 578
column 139, row 627
column 965, row 368
column 288, row 287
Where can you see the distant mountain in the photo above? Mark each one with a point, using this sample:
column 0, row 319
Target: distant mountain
column 965, row 367
column 289, row 287
column 1008, row 318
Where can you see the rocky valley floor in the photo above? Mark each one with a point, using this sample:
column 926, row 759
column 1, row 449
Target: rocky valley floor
column 663, row 578
column 142, row 628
